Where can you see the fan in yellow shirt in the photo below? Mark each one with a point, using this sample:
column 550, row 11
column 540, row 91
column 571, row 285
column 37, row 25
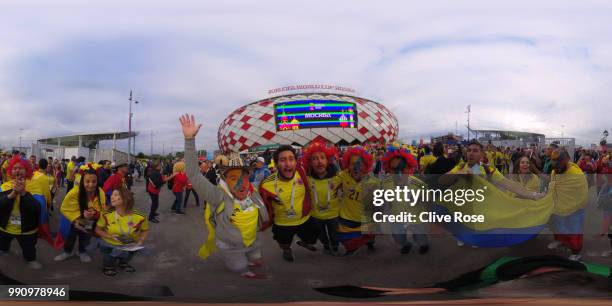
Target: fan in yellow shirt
column 121, row 227
column 286, row 195
column 355, row 209
column 325, row 185
column 399, row 166
column 426, row 160
column 524, row 175
column 82, row 208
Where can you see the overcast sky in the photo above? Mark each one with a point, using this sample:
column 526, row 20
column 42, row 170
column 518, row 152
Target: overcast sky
column 67, row 68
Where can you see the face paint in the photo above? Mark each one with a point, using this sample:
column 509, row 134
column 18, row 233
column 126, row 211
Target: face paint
column 358, row 165
column 239, row 184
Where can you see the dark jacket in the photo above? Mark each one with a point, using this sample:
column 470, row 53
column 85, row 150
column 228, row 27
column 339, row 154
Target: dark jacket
column 103, row 175
column 156, row 178
column 211, row 175
column 28, row 208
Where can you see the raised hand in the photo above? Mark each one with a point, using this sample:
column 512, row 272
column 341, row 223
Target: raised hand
column 189, row 126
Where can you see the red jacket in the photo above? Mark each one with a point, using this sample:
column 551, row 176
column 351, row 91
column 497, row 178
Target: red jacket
column 179, row 183
column 113, row 182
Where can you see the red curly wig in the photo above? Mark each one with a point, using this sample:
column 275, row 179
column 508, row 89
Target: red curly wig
column 392, row 152
column 367, row 158
column 23, row 162
column 330, row 152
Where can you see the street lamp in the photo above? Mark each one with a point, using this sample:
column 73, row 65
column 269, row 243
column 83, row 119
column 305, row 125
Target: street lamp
column 130, row 115
column 20, row 132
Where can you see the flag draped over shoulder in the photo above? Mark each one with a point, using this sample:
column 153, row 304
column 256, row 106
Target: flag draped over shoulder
column 569, row 190
column 209, row 246
column 37, row 192
column 509, row 220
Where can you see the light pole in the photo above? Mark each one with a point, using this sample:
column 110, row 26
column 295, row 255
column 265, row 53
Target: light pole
column 20, row 132
column 151, row 149
column 130, row 115
column 468, row 121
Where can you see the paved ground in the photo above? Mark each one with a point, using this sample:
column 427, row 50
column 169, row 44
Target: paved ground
column 174, row 263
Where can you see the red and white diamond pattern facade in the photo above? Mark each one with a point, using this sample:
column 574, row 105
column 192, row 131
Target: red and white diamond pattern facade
column 253, row 125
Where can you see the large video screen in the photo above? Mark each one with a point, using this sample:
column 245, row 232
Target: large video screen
column 308, row 114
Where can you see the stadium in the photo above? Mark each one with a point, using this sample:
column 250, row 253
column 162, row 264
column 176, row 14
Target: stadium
column 297, row 118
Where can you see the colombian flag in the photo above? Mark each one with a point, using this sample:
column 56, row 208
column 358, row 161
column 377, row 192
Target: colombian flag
column 34, row 188
column 352, row 238
column 62, row 232
column 510, row 220
column 70, row 211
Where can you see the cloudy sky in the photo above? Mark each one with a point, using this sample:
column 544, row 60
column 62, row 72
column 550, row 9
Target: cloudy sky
column 534, row 66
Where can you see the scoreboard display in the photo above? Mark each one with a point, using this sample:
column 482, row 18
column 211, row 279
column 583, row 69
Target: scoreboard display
column 308, row 114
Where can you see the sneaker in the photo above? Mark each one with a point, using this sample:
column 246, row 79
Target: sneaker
column 288, row 255
column 423, row 249
column 307, row 246
column 575, row 257
column 554, row 245
column 253, row 275
column 35, row 265
column 255, row 264
column 406, row 249
column 84, row 257
column 606, row 254
column 153, row 220
column 460, row 243
column 179, row 213
column 62, row 257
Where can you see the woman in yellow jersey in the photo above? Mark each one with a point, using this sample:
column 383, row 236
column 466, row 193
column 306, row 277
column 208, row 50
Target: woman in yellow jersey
column 53, row 184
column 357, row 184
column 324, row 187
column 82, row 207
column 400, row 165
column 525, row 175
column 287, row 198
column 234, row 212
column 19, row 213
column 121, row 227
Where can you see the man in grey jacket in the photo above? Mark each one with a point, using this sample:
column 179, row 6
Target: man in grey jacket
column 237, row 213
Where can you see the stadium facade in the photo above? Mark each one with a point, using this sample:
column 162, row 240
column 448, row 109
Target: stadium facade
column 297, row 118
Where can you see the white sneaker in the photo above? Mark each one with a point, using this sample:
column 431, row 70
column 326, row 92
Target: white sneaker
column 84, row 257
column 606, row 254
column 575, row 257
column 35, row 265
column 62, row 257
column 460, row 243
column 554, row 245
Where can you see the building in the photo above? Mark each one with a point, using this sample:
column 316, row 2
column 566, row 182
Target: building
column 298, row 118
column 450, row 139
column 86, row 145
column 500, row 138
